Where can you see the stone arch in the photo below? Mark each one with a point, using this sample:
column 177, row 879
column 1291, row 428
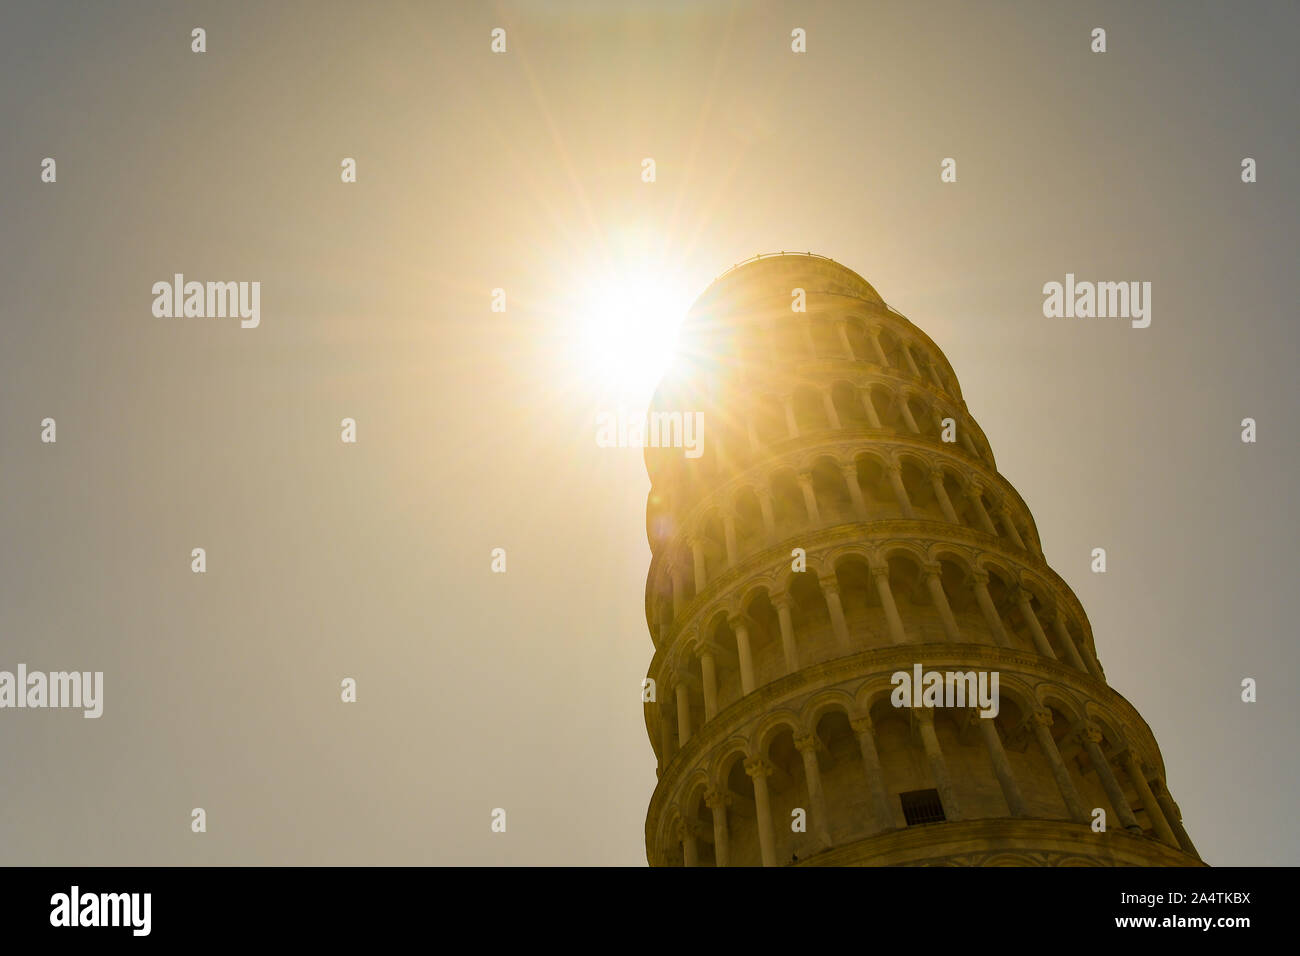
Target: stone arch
column 766, row 650
column 834, row 501
column 915, row 469
column 809, row 410
column 788, row 508
column 770, row 726
column 826, row 343
column 847, row 399
column 906, row 564
column 872, row 473
column 748, row 522
column 856, row 330
column 769, row 421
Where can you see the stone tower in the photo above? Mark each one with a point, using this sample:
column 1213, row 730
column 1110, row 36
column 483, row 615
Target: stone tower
column 841, row 431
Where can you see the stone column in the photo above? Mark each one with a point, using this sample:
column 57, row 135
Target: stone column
column 895, row 471
column 683, row 713
column 741, row 630
column 941, row 496
column 1089, row 659
column 709, row 672
column 980, row 585
column 1001, row 766
column 880, row 807
column 868, row 406
column 782, row 604
column 1173, row 816
column 718, row 801
column 1041, row 722
column 1021, row 597
column 968, row 443
column 924, row 718
column 1158, row 822
column 791, row 423
column 809, row 337
column 934, row 583
column 807, row 745
column 809, row 497
column 697, row 557
column 973, row 490
column 880, row 574
column 679, row 593
column 1066, row 641
column 759, row 770
column 842, row 328
column 765, row 506
column 832, row 413
column 1090, row 737
column 665, row 735
column 831, row 591
column 873, row 336
column 906, row 412
column 850, row 473
column 1012, row 531
column 729, row 536
column 911, row 362
column 687, row 836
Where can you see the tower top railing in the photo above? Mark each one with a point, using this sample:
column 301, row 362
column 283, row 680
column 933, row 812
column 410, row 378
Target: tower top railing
column 773, row 255
column 808, row 255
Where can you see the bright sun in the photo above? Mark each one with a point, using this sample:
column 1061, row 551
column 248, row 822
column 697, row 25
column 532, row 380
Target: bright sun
column 629, row 325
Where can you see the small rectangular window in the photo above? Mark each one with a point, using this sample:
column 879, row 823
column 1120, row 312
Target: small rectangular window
column 922, row 806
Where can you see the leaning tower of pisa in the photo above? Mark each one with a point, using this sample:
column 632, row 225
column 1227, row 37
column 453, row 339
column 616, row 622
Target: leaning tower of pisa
column 840, row 433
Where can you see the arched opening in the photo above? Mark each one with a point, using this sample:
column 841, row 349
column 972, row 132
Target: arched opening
column 858, row 342
column 788, row 509
column 825, row 340
column 749, row 523
column 809, row 411
column 834, row 504
column 848, row 405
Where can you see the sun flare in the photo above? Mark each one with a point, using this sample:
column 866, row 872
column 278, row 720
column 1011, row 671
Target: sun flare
column 629, row 324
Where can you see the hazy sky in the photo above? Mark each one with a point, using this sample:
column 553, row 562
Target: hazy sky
column 522, row 171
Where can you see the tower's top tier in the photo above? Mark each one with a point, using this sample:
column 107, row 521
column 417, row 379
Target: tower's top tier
column 748, row 283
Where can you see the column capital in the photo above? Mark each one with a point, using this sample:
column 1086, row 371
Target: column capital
column 805, row 477
column 932, row 569
column 862, row 725
column 979, row 577
column 893, row 468
column 1041, row 718
column 922, row 715
column 806, row 742
column 1088, row 731
column 717, row 799
column 934, row 472
column 701, row 651
column 780, row 599
column 974, row 486
column 737, row 621
column 830, row 584
column 880, row 571
column 758, row 767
